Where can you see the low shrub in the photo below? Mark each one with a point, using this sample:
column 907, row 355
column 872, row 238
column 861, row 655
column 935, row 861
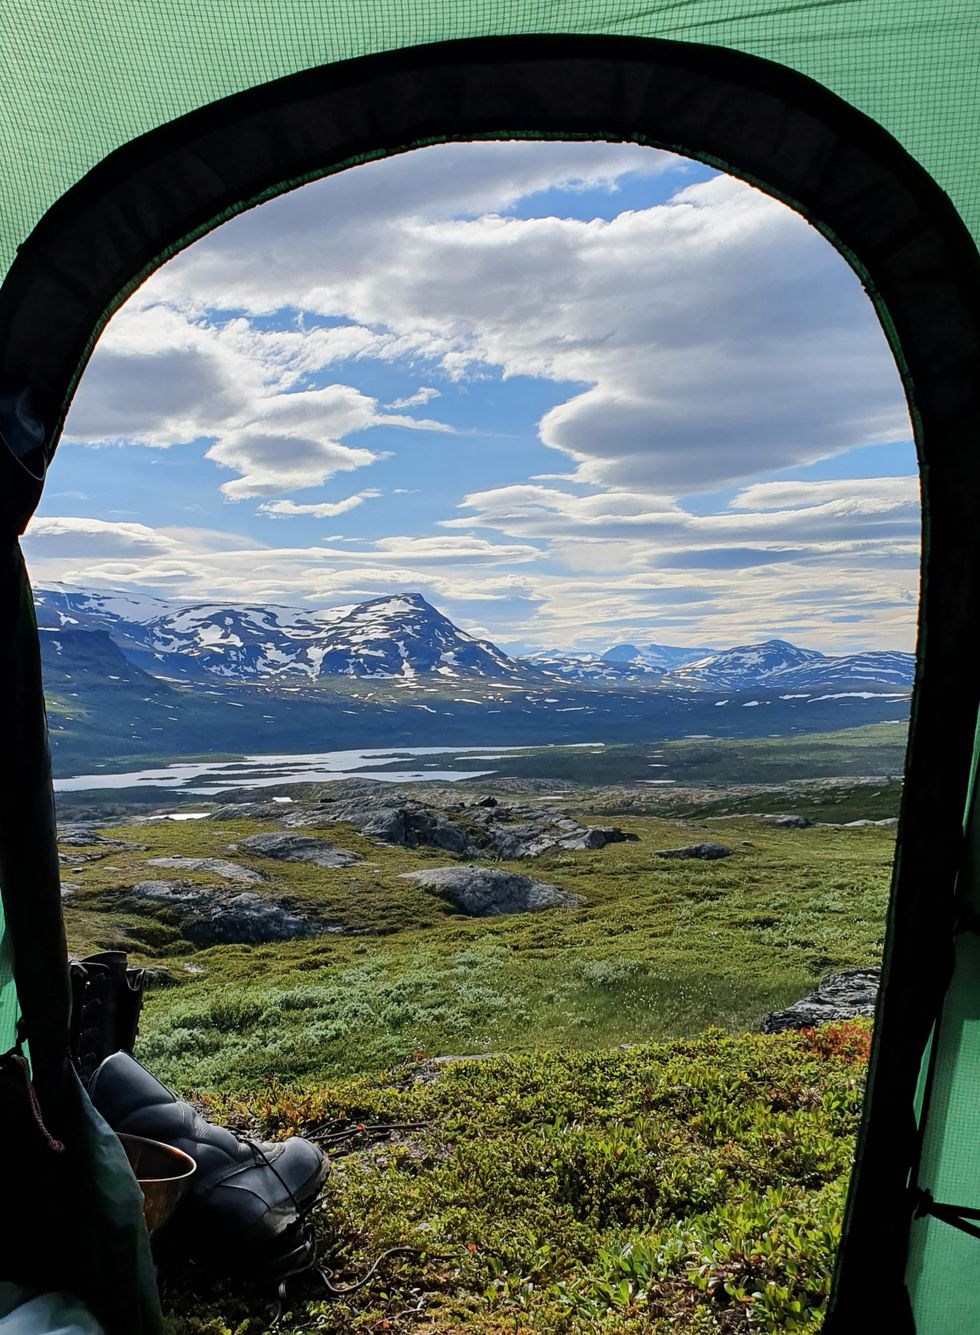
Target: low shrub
column 695, row 1186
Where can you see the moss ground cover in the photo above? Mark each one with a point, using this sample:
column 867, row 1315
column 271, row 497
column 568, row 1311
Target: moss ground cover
column 695, row 1186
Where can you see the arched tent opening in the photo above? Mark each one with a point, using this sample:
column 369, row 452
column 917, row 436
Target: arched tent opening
column 134, row 187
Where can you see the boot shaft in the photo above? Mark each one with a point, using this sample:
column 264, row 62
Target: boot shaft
column 107, row 997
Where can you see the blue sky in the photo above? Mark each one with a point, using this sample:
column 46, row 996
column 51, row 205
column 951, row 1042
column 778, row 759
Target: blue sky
column 573, row 393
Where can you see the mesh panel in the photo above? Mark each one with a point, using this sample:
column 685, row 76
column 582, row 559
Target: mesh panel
column 950, row 1167
column 940, row 1255
column 80, row 80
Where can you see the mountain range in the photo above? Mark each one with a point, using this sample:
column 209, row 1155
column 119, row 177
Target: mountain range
column 403, row 638
column 138, row 679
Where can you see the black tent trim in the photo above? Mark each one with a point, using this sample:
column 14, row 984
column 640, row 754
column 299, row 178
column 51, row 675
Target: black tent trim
column 757, row 120
column 963, row 1217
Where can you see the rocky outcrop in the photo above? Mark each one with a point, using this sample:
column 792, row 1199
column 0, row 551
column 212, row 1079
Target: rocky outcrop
column 211, row 915
column 248, row 811
column 525, row 832
column 83, row 834
column 482, row 828
column 839, row 996
column 77, row 859
column 298, row 848
column 380, row 814
column 706, row 852
column 228, row 871
column 411, row 825
column 482, row 892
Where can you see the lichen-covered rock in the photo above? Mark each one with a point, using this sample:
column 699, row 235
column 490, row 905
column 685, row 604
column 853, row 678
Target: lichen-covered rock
column 483, row 892
column 839, row 996
column 228, row 871
column 213, row 915
column 298, row 848
column 705, row 852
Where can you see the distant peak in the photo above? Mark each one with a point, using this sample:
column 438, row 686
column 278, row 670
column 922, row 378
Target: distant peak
column 415, row 600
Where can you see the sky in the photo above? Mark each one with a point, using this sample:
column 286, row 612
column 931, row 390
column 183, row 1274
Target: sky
column 575, row 394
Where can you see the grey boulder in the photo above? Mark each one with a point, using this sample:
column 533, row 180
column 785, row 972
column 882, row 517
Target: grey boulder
column 228, row 871
column 209, row 916
column 83, row 834
column 482, row 892
column 412, row 825
column 705, row 852
column 298, row 848
column 839, row 996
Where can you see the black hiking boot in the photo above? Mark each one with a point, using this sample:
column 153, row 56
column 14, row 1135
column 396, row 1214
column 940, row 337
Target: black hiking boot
column 106, row 997
column 246, row 1202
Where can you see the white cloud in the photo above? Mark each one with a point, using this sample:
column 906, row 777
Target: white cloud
column 323, row 510
column 816, row 516
column 68, row 536
column 466, row 550
column 871, row 492
column 713, row 337
column 292, row 441
column 424, row 394
column 160, row 378
column 588, row 590
column 284, row 252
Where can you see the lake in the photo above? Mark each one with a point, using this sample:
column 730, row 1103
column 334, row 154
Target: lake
column 208, row 778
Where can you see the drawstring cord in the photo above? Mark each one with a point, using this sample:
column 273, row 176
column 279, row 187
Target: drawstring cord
column 17, row 1059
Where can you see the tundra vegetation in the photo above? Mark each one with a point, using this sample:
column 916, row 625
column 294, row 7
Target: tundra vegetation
column 620, row 1152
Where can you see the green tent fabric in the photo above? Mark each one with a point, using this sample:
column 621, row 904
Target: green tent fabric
column 8, row 992
column 128, row 129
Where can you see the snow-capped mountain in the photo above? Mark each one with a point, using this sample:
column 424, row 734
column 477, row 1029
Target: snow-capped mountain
column 583, row 667
column 779, row 665
column 396, row 637
column 622, row 663
column 653, row 657
column 852, row 672
column 395, row 671
column 743, row 666
column 405, row 636
column 404, row 639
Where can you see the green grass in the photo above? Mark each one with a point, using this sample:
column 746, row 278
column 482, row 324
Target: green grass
column 659, row 949
column 692, row 1187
